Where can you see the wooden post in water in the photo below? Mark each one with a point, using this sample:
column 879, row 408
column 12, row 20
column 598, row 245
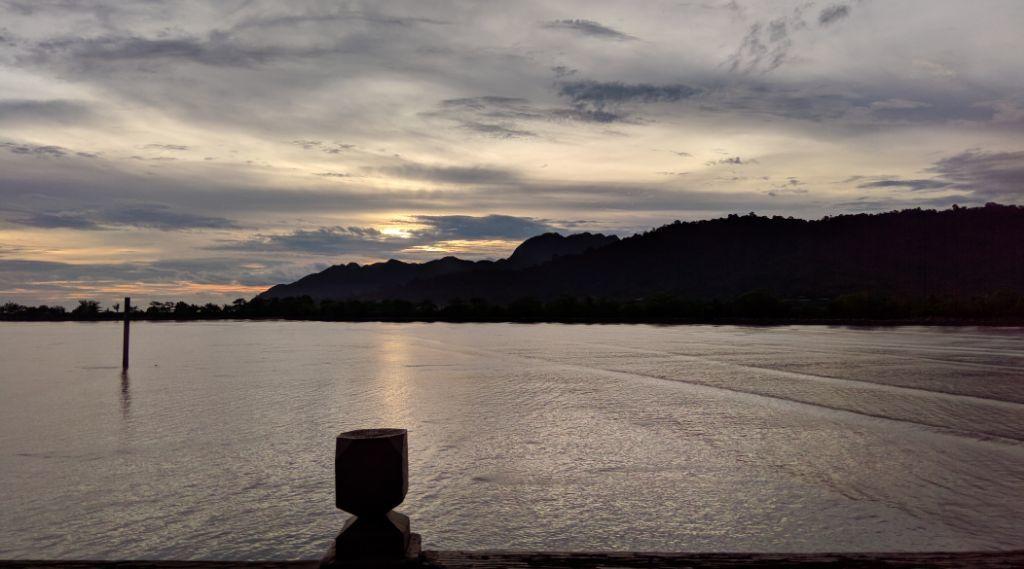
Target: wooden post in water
column 127, row 327
column 371, row 476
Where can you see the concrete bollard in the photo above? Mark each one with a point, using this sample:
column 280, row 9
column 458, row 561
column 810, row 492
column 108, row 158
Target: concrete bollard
column 371, row 472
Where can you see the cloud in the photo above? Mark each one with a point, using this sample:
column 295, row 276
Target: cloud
column 451, row 174
column 25, row 111
column 171, row 147
column 369, row 241
column 599, row 94
column 833, row 14
column 730, row 161
column 432, row 109
column 334, row 175
column 481, row 227
column 897, row 104
column 56, row 220
column 333, row 241
column 765, row 47
column 792, row 186
column 37, row 150
column 603, row 101
column 913, row 185
column 144, row 216
column 192, row 279
column 561, row 71
column 215, row 50
column 155, row 216
column 500, row 117
column 323, row 146
column 497, row 130
column 588, row 28
column 506, row 107
column 491, row 115
column 986, row 174
column 332, row 16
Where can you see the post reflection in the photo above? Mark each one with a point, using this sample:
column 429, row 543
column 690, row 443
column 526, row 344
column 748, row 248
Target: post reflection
column 126, row 396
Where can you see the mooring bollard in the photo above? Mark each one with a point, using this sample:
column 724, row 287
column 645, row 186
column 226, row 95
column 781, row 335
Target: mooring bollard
column 371, row 477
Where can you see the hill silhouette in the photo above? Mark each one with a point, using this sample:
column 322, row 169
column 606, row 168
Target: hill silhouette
column 546, row 247
column 371, row 281
column 913, row 253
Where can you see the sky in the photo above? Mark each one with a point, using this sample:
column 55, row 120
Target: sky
column 207, row 150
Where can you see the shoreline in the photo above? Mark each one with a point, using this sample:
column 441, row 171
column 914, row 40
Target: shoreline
column 734, row 321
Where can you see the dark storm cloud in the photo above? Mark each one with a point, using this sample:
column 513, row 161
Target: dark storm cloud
column 986, row 174
column 21, row 111
column 588, row 28
column 913, row 185
column 833, row 14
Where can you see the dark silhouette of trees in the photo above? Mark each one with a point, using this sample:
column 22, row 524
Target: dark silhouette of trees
column 86, row 310
column 1003, row 307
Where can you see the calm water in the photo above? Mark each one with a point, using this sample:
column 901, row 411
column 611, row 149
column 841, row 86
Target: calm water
column 219, row 443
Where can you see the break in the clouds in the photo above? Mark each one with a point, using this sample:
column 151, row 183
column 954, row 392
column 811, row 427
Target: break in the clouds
column 204, row 150
column 426, row 230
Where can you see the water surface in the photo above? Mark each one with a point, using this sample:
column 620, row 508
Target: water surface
column 219, row 442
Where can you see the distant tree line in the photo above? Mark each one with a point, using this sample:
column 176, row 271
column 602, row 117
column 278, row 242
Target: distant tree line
column 1000, row 307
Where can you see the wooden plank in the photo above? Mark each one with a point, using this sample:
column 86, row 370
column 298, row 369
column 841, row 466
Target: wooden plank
column 76, row 564
column 600, row 560
column 607, row 560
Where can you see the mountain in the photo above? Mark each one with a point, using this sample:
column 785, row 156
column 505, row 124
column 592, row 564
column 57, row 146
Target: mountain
column 371, row 281
column 354, row 280
column 543, row 248
column 912, row 253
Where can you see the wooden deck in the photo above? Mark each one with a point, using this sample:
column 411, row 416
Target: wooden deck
column 595, row 560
